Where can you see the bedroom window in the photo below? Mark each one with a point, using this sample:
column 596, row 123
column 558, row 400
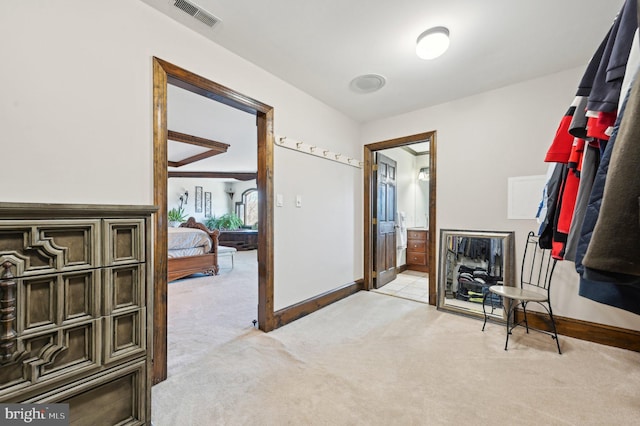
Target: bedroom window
column 247, row 209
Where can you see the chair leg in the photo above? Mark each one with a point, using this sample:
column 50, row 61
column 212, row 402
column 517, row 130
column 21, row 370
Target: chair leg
column 484, row 310
column 524, row 310
column 509, row 313
column 555, row 333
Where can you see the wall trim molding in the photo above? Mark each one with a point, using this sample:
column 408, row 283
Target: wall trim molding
column 291, row 313
column 584, row 330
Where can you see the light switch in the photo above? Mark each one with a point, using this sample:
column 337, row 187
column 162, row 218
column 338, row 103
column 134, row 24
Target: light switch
column 279, row 200
column 298, row 201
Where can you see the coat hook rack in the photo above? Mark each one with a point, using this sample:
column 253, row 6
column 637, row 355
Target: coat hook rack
column 327, row 154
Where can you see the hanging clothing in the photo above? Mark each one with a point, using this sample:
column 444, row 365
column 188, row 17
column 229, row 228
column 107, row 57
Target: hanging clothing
column 553, row 193
column 590, row 161
column 594, row 285
column 560, row 149
column 607, row 83
column 598, row 192
column 591, row 212
column 615, row 244
column 595, row 198
column 566, row 150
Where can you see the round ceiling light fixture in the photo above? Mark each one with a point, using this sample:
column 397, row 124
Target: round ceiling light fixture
column 432, row 43
column 367, row 83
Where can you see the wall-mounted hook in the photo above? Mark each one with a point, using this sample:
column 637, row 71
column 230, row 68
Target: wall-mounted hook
column 300, row 146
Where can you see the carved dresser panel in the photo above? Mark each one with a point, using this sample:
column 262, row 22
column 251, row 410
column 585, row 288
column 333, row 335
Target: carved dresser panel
column 75, row 302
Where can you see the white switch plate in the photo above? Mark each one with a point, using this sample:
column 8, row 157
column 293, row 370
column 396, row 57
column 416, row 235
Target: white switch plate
column 298, row 201
column 279, row 200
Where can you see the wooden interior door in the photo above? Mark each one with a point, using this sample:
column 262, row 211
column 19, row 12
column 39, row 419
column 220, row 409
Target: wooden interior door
column 386, row 202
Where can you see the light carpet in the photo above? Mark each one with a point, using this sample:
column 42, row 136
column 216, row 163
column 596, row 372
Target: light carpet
column 373, row 359
column 204, row 312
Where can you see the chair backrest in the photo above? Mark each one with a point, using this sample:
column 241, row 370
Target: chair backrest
column 537, row 265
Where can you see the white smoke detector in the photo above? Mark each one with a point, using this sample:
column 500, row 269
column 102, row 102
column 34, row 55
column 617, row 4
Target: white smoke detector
column 367, row 83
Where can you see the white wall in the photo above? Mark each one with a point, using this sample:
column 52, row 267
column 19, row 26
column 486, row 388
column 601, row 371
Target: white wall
column 220, row 201
column 320, row 238
column 421, row 194
column 481, row 141
column 75, row 111
column 405, row 181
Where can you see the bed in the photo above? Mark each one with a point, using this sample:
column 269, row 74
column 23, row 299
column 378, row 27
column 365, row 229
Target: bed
column 192, row 248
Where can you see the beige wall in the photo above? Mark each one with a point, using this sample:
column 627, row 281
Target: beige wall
column 75, row 111
column 483, row 140
column 75, row 114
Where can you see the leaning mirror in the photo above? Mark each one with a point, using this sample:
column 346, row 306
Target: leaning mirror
column 470, row 262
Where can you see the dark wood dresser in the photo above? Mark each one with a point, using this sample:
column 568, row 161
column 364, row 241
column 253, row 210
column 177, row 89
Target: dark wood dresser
column 241, row 239
column 76, row 296
column 417, row 259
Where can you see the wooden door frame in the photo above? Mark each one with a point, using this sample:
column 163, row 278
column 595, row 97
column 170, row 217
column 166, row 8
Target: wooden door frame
column 369, row 239
column 163, row 74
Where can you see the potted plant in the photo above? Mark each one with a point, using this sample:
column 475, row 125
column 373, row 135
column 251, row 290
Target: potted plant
column 228, row 222
column 176, row 216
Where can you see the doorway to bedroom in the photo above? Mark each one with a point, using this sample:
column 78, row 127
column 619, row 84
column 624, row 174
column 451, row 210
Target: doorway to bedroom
column 195, row 121
column 212, row 171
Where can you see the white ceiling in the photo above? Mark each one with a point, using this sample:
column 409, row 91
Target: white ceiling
column 196, row 115
column 320, row 46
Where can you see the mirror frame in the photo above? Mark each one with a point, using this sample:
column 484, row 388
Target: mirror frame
column 508, row 277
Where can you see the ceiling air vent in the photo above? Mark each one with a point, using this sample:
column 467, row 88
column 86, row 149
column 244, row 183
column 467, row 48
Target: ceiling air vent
column 198, row 13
